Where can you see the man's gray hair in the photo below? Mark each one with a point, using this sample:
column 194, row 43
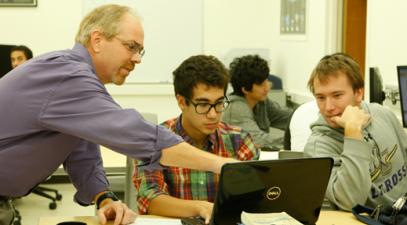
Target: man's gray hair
column 105, row 19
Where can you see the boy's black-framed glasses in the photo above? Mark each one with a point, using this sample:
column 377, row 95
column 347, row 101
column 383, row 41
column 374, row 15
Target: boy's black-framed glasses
column 205, row 107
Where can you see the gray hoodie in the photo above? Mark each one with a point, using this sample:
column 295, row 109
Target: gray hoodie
column 258, row 121
column 371, row 171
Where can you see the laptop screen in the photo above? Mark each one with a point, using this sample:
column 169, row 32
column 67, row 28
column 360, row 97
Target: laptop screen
column 296, row 186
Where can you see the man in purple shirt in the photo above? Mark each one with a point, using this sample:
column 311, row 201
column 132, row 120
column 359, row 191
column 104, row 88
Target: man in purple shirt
column 55, row 110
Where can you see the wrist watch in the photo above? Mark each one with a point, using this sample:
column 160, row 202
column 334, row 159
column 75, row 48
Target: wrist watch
column 105, row 195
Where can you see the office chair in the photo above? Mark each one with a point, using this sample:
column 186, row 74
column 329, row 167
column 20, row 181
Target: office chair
column 130, row 193
column 298, row 130
column 42, row 191
column 5, row 65
column 39, row 190
column 277, row 83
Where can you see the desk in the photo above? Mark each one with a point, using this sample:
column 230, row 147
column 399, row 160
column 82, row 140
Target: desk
column 326, row 218
column 337, row 218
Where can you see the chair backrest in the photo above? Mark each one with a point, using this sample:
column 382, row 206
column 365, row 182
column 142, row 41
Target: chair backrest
column 277, row 83
column 298, row 130
column 5, row 65
column 130, row 194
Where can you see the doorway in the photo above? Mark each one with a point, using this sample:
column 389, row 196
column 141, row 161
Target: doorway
column 354, row 30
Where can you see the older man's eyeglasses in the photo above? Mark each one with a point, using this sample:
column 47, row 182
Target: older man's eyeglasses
column 132, row 46
column 205, row 107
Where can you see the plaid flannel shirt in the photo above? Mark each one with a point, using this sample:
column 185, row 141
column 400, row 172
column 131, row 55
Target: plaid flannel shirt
column 227, row 141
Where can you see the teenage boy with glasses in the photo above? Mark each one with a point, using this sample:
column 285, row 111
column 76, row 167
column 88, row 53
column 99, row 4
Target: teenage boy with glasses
column 200, row 84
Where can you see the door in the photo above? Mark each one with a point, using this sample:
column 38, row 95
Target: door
column 354, row 30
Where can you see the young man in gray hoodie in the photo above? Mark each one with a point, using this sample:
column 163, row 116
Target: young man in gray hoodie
column 366, row 140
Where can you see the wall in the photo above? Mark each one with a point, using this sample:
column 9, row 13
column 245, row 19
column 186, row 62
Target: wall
column 298, row 56
column 228, row 25
column 240, row 24
column 386, row 45
column 50, row 26
column 386, row 37
column 237, row 24
column 169, row 39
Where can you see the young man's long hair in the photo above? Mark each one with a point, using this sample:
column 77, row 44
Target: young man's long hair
column 246, row 71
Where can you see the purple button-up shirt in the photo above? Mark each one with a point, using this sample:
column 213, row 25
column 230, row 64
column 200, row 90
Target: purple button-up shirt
column 54, row 110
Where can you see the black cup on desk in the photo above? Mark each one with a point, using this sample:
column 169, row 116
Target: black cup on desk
column 71, row 223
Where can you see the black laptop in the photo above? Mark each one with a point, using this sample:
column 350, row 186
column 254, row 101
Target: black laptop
column 296, row 186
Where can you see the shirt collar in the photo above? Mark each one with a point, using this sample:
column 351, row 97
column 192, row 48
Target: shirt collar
column 210, row 141
column 83, row 52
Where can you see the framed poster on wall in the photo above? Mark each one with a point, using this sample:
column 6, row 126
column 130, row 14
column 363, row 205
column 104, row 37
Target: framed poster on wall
column 18, row 3
column 293, row 17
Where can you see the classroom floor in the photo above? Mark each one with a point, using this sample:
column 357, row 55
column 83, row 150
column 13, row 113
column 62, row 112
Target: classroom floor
column 32, row 207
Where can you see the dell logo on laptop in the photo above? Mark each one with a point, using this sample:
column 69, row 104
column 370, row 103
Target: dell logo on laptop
column 273, row 193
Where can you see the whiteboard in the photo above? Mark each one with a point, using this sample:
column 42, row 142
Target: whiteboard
column 173, row 31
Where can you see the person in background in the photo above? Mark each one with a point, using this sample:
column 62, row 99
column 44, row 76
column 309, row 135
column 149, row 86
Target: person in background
column 200, row 84
column 366, row 141
column 58, row 111
column 250, row 107
column 19, row 54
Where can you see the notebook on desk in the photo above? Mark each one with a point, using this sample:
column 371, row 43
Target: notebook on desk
column 296, row 186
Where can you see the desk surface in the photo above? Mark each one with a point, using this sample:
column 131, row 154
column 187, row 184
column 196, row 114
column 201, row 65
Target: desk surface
column 326, row 218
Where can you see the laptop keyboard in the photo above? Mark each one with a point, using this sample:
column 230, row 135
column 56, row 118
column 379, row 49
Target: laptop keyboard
column 193, row 221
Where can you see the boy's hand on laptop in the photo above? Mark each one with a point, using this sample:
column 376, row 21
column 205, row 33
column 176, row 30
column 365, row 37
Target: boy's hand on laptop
column 205, row 210
column 222, row 161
